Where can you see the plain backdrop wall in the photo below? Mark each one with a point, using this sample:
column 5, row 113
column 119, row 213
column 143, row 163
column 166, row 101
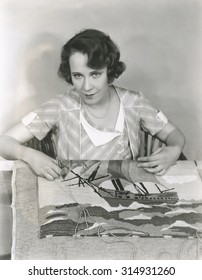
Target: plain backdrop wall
column 160, row 42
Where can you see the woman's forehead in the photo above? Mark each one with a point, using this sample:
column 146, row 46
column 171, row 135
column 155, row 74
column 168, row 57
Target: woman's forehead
column 79, row 62
column 78, row 59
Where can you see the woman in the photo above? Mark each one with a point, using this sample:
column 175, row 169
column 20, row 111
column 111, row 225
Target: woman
column 94, row 119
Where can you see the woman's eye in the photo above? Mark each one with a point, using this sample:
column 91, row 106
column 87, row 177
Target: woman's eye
column 96, row 75
column 77, row 76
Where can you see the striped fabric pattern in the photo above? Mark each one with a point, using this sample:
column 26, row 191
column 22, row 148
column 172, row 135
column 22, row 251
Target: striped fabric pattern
column 62, row 114
column 117, row 149
column 46, row 118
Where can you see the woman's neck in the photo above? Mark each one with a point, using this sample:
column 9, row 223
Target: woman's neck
column 100, row 110
column 104, row 114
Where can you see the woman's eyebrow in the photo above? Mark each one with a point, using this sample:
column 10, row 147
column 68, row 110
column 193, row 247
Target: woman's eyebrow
column 97, row 71
column 91, row 72
column 76, row 73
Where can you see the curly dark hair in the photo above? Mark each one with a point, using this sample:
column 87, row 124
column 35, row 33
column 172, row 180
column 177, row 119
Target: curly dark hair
column 100, row 49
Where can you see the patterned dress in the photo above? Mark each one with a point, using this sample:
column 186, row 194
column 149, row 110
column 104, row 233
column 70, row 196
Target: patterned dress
column 62, row 114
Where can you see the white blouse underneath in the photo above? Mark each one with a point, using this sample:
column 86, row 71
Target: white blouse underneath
column 99, row 137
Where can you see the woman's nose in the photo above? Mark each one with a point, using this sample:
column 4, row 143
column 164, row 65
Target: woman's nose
column 87, row 84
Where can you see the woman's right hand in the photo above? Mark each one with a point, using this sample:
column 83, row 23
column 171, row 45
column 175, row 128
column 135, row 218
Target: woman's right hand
column 43, row 165
column 12, row 148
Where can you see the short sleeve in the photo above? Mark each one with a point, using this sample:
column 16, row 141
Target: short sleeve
column 151, row 119
column 42, row 120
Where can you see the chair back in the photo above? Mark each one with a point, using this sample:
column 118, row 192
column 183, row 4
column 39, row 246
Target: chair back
column 148, row 144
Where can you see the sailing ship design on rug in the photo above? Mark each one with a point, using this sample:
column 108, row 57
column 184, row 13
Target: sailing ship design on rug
column 116, row 198
column 114, row 171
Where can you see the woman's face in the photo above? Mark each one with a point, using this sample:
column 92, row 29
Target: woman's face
column 91, row 84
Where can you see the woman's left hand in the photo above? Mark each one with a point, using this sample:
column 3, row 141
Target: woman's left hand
column 159, row 162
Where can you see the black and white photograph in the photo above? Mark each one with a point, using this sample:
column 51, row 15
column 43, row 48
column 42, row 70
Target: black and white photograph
column 100, row 130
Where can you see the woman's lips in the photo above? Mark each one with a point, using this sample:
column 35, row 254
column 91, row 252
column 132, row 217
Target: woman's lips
column 90, row 95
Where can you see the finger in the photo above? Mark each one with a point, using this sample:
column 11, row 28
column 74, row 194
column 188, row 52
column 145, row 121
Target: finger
column 56, row 168
column 49, row 170
column 48, row 176
column 143, row 159
column 148, row 164
column 148, row 158
column 154, row 170
column 53, row 173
